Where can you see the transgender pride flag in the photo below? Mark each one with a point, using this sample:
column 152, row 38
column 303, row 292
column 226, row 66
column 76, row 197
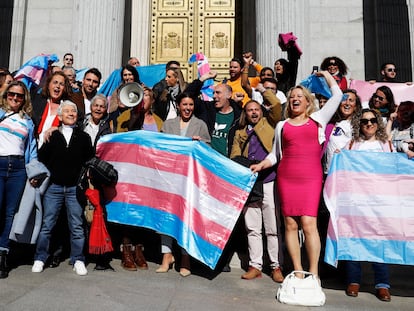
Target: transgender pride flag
column 32, row 72
column 370, row 196
column 203, row 67
column 176, row 186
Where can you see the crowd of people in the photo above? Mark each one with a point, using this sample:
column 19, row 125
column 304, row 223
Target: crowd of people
column 285, row 133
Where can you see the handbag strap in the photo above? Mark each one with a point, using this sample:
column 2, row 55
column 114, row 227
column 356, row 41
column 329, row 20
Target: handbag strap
column 8, row 116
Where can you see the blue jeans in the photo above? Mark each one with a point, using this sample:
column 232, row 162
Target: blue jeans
column 55, row 197
column 381, row 273
column 12, row 181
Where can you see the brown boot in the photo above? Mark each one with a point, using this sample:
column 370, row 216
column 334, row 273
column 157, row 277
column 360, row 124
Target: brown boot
column 277, row 275
column 139, row 258
column 127, row 261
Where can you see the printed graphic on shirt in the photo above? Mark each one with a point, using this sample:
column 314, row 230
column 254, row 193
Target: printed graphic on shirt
column 221, row 131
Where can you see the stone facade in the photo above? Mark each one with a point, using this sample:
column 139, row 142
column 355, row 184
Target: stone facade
column 93, row 31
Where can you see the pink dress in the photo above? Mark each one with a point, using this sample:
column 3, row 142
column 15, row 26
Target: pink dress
column 299, row 175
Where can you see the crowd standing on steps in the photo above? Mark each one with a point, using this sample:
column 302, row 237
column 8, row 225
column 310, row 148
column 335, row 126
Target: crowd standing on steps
column 258, row 116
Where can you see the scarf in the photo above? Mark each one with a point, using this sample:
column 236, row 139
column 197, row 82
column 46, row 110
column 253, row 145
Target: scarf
column 44, row 117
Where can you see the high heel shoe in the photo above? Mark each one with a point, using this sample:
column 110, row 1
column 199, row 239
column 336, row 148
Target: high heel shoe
column 168, row 261
column 185, row 272
column 185, row 265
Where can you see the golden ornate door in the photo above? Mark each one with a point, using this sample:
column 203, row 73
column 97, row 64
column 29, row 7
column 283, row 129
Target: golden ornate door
column 180, row 28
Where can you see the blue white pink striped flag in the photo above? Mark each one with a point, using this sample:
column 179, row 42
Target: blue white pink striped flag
column 203, row 67
column 32, row 72
column 370, row 197
column 176, row 186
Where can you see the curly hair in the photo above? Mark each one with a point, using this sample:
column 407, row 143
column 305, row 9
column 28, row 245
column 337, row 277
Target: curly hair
column 343, row 69
column 67, row 91
column 357, row 133
column 309, row 97
column 26, row 107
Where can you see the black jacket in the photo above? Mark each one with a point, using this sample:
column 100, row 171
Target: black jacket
column 65, row 161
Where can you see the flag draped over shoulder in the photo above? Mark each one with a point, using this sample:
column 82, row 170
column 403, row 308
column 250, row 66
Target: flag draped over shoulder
column 178, row 187
column 370, row 197
column 32, row 72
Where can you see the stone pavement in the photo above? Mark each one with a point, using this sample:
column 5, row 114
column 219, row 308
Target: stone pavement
column 61, row 289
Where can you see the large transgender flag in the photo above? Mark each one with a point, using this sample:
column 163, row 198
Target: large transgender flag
column 176, row 186
column 370, row 196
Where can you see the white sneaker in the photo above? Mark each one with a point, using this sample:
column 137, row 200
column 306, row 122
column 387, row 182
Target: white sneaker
column 79, row 268
column 38, row 266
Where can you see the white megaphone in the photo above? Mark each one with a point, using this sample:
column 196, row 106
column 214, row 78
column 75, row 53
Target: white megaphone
column 131, row 94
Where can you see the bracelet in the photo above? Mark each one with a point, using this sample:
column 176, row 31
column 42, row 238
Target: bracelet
column 245, row 72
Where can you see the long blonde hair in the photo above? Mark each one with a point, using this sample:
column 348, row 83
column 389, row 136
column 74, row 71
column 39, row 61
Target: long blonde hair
column 26, row 107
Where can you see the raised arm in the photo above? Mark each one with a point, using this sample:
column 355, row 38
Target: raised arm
column 247, row 58
column 328, row 110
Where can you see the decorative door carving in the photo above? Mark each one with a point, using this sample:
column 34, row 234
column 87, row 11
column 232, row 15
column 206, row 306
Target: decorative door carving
column 180, row 28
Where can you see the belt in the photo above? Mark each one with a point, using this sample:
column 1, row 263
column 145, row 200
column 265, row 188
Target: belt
column 19, row 157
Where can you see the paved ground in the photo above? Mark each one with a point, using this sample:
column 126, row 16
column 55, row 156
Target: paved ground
column 61, row 289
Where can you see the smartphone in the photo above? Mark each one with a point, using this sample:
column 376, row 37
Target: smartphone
column 315, row 69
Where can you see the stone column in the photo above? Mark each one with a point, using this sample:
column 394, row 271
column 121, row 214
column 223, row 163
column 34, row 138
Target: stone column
column 140, row 30
column 18, row 33
column 274, row 17
column 97, row 34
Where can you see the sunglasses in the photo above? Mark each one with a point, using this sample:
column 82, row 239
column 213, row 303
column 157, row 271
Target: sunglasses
column 365, row 121
column 380, row 98
column 18, row 96
column 69, row 59
column 332, row 64
column 391, row 70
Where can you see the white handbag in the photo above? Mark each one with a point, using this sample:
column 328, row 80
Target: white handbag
column 305, row 291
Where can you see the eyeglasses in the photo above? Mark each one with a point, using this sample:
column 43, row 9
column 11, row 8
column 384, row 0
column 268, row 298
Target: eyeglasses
column 380, row 98
column 365, row 121
column 332, row 63
column 69, row 59
column 391, row 70
column 18, row 96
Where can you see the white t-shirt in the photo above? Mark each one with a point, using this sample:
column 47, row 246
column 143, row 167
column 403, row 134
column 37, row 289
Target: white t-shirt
column 259, row 98
column 13, row 133
column 374, row 146
column 340, row 136
column 87, row 103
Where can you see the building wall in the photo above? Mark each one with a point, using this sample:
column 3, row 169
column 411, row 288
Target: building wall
column 93, row 31
column 321, row 32
column 40, row 27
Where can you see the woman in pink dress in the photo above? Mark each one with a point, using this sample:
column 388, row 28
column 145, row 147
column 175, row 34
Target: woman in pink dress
column 299, row 174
